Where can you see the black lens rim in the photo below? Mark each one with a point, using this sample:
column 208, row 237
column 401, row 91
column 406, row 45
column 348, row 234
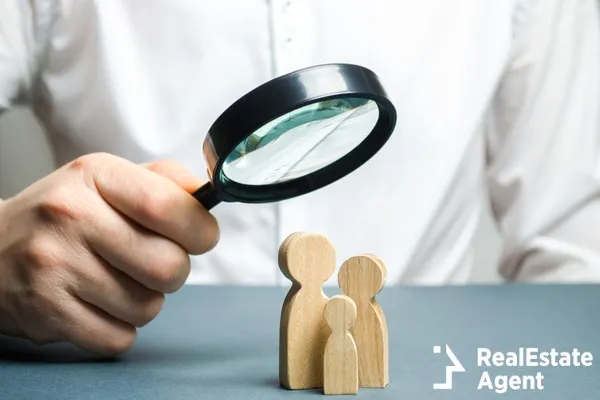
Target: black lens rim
column 281, row 96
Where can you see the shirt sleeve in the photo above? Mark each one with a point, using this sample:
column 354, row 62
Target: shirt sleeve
column 17, row 51
column 544, row 146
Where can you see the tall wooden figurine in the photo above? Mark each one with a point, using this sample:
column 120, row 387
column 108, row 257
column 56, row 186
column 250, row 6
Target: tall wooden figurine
column 308, row 260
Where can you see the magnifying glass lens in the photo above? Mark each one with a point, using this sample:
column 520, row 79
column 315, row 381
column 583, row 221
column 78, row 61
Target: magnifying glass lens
column 302, row 141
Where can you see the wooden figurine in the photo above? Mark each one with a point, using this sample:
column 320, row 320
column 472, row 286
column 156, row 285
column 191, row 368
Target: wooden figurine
column 361, row 278
column 308, row 260
column 340, row 361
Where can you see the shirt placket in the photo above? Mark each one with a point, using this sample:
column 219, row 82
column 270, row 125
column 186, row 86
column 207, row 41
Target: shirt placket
column 290, row 50
column 291, row 34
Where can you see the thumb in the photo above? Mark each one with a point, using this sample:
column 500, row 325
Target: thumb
column 177, row 173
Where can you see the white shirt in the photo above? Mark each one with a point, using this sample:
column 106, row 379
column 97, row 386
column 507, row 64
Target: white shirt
column 497, row 101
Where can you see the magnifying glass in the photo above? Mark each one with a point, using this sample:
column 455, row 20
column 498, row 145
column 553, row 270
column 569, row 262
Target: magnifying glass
column 295, row 134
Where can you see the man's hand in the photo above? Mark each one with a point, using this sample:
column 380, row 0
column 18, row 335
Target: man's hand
column 88, row 252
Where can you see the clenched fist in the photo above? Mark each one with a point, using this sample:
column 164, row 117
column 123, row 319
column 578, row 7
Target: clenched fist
column 88, row 252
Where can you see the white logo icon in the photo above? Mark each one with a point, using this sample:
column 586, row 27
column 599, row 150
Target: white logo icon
column 455, row 367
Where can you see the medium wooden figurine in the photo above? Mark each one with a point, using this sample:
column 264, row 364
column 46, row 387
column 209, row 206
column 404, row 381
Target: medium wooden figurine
column 361, row 278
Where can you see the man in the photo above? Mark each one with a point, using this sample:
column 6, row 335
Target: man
column 497, row 100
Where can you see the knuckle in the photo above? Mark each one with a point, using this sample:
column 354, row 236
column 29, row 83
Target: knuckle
column 209, row 237
column 214, row 235
column 150, row 309
column 119, row 342
column 58, row 206
column 169, row 271
column 155, row 205
column 161, row 166
column 87, row 161
column 87, row 167
column 41, row 252
column 45, row 313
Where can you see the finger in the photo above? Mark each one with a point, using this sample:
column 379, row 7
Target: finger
column 94, row 330
column 177, row 173
column 153, row 201
column 115, row 293
column 154, row 261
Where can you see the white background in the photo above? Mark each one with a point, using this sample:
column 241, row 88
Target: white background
column 25, row 157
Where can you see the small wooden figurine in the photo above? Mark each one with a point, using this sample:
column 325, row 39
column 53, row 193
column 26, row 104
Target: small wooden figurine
column 308, row 260
column 361, row 278
column 340, row 362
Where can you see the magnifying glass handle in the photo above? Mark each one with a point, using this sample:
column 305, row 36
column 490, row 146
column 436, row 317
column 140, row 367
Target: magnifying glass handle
column 207, row 196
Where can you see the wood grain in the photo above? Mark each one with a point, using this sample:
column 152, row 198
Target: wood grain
column 308, row 260
column 340, row 361
column 361, row 278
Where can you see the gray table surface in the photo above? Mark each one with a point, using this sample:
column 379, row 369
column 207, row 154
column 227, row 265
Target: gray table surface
column 222, row 343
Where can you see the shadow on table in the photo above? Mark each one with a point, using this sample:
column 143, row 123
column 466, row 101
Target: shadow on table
column 213, row 367
column 22, row 351
column 240, row 381
column 16, row 350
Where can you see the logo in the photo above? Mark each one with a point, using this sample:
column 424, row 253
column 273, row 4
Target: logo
column 450, row 369
column 496, row 374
